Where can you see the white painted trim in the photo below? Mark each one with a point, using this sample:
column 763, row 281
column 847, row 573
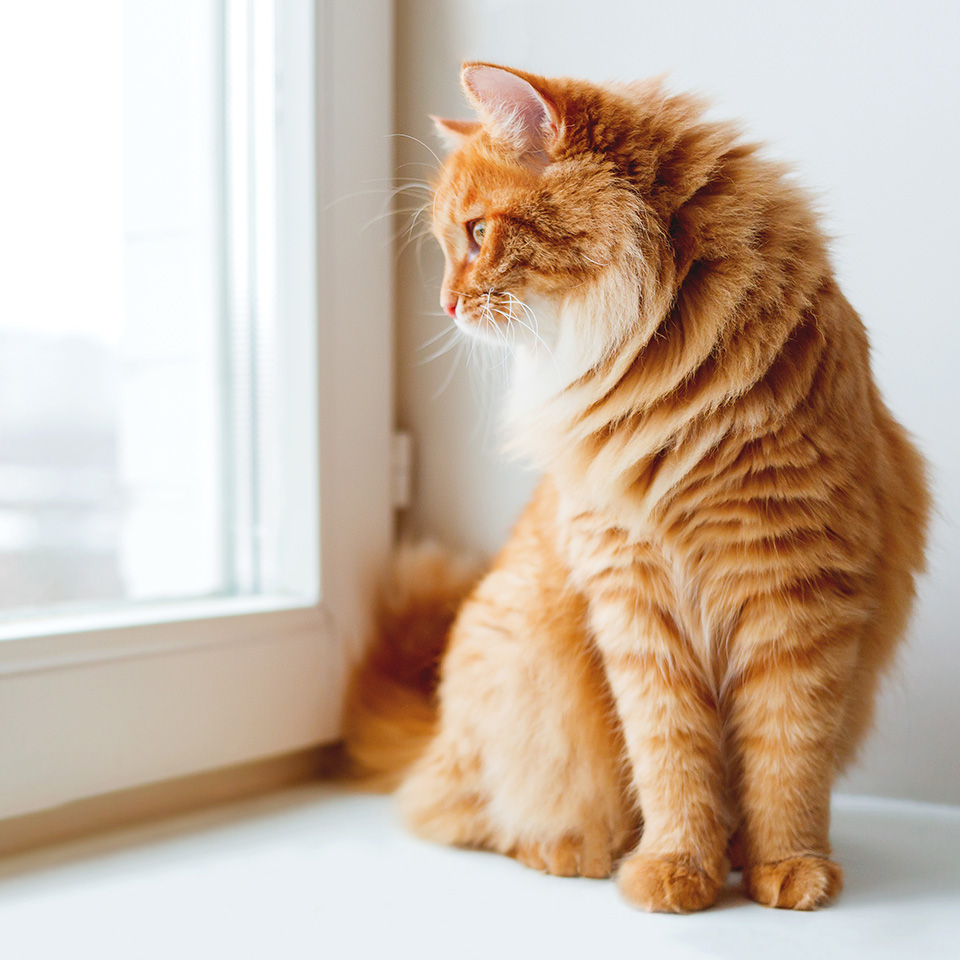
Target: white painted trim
column 355, row 289
column 127, row 634
column 88, row 711
column 80, row 730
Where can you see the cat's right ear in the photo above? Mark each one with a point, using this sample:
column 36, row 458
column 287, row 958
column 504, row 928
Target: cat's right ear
column 454, row 132
column 514, row 107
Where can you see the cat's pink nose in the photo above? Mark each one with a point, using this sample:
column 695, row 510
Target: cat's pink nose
column 451, row 307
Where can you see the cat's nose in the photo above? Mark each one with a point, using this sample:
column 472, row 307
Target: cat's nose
column 451, row 307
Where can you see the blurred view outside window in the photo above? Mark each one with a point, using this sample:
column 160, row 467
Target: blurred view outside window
column 134, row 313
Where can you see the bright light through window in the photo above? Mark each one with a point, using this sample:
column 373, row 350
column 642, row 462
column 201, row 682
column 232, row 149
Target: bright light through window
column 139, row 347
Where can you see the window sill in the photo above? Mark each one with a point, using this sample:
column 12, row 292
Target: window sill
column 87, row 714
column 144, row 630
column 316, row 870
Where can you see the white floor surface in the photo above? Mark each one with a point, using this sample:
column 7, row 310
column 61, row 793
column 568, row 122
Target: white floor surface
column 319, row 873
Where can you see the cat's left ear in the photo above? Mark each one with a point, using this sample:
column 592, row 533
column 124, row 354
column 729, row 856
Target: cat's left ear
column 514, row 108
column 454, row 132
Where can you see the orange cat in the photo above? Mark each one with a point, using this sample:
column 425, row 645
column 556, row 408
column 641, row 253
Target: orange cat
column 691, row 616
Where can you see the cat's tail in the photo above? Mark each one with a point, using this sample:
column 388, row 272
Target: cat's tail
column 391, row 707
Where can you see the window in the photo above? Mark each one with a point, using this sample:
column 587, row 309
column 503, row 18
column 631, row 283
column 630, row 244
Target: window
column 194, row 405
column 137, row 381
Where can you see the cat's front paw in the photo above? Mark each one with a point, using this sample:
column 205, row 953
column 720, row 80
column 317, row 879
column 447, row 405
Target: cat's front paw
column 668, row 884
column 797, row 883
column 569, row 856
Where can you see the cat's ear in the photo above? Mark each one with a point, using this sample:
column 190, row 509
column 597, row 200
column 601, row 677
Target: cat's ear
column 454, row 132
column 513, row 108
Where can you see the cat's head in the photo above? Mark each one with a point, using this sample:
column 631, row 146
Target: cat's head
column 540, row 230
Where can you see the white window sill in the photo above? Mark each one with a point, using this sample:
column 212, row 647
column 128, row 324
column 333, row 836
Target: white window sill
column 316, row 872
column 72, row 639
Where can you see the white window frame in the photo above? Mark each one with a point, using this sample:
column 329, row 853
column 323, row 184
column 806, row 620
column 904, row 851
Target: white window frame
column 93, row 706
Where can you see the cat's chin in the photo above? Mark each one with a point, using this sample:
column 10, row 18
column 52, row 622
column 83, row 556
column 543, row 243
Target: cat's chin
column 482, row 330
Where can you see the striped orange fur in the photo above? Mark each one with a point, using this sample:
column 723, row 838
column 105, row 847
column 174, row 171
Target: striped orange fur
column 688, row 624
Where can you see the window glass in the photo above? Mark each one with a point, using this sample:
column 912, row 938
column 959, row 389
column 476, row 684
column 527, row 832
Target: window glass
column 136, row 308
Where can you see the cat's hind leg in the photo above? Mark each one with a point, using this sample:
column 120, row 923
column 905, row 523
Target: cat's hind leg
column 440, row 798
column 527, row 759
column 558, row 791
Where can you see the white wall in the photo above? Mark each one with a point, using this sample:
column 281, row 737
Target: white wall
column 864, row 98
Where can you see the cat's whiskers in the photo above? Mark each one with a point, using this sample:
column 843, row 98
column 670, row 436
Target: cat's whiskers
column 388, row 211
column 411, row 232
column 528, row 310
column 386, row 214
column 388, row 194
column 458, row 341
column 487, row 377
column 534, row 328
column 407, row 136
column 509, row 317
column 454, row 335
column 490, row 359
column 447, row 329
column 432, row 153
column 488, row 311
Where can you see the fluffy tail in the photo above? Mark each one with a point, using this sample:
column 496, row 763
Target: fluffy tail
column 391, row 709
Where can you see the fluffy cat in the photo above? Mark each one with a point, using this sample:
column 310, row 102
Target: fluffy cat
column 687, row 626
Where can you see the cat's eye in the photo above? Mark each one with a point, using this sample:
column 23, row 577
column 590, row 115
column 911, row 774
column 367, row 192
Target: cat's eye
column 477, row 230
